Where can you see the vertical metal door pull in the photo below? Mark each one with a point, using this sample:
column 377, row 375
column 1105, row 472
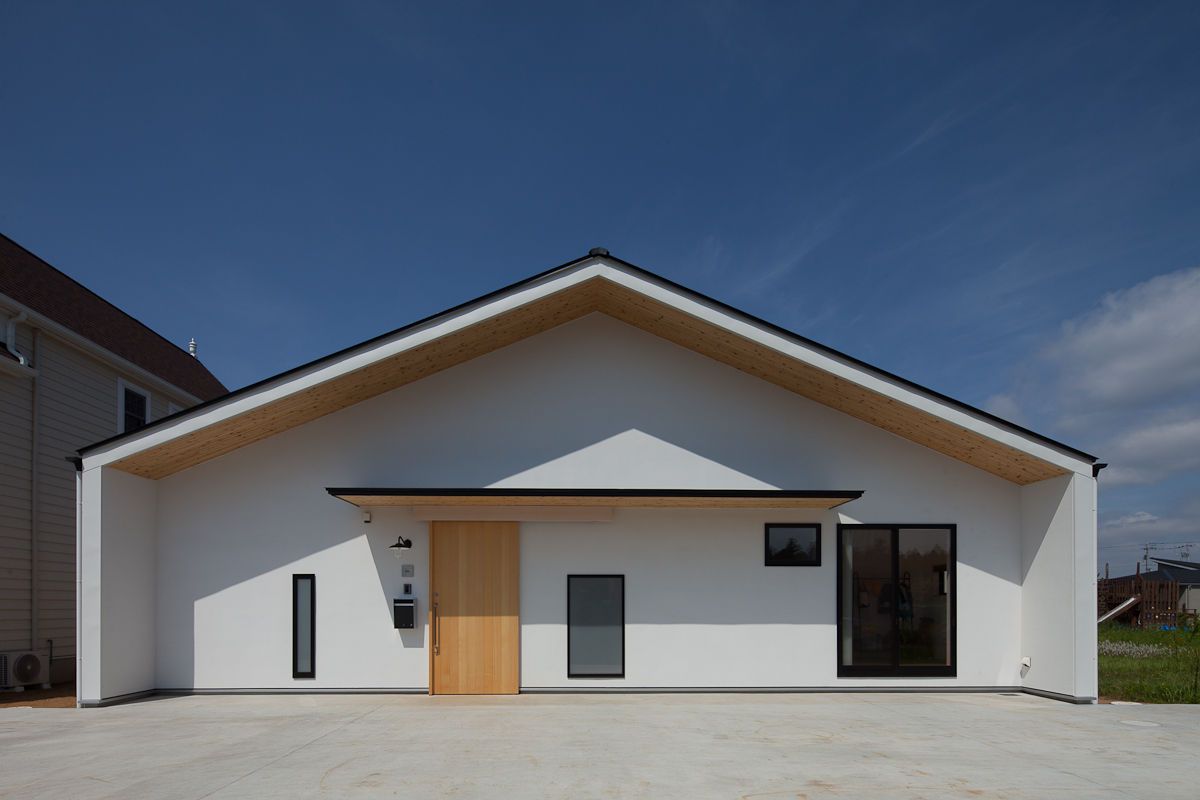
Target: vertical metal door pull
column 436, row 639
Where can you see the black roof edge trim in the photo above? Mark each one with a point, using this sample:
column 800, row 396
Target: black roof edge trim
column 374, row 491
column 345, row 351
column 653, row 277
column 857, row 362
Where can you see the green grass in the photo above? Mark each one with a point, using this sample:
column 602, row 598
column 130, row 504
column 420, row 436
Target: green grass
column 1173, row 676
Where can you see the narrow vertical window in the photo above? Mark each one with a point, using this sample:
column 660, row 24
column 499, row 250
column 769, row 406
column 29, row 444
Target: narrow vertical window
column 304, row 626
column 134, row 407
column 596, row 626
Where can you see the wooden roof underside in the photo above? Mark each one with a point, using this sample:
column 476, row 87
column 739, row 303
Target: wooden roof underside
column 626, row 305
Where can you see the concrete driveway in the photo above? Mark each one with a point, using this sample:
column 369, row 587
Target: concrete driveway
column 581, row 746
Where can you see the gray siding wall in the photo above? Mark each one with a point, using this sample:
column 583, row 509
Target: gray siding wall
column 77, row 403
column 16, row 408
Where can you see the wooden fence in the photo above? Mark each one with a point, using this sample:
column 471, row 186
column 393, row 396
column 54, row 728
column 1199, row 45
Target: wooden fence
column 1157, row 606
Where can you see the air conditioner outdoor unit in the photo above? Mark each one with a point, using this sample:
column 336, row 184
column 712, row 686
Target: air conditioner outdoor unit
column 21, row 667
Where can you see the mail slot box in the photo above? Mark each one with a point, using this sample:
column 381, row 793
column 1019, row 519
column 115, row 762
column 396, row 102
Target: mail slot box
column 404, row 612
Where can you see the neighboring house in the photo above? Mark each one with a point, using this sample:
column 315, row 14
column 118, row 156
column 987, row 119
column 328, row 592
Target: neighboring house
column 73, row 368
column 1151, row 599
column 1186, row 574
column 595, row 480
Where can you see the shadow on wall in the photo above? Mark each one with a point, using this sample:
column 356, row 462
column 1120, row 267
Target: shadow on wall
column 594, row 403
column 681, row 567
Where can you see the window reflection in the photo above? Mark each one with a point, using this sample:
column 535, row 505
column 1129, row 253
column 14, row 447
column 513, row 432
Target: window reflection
column 896, row 601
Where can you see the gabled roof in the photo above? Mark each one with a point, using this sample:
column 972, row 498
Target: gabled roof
column 1170, row 570
column 41, row 288
column 595, row 283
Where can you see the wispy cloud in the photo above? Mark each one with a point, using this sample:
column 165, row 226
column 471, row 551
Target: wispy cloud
column 792, row 250
column 936, row 128
column 1142, row 526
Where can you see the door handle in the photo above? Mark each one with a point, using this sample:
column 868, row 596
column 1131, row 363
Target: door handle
column 436, row 627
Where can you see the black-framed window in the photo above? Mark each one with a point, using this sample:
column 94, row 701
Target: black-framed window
column 790, row 544
column 596, row 626
column 897, row 611
column 135, row 407
column 304, row 626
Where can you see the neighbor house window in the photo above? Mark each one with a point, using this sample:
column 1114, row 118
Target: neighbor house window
column 596, row 626
column 133, row 407
column 792, row 545
column 304, row 626
column 896, row 598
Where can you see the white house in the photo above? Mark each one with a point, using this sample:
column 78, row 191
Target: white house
column 609, row 483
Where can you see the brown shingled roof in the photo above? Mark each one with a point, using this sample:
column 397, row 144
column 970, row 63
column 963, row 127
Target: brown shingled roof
column 40, row 287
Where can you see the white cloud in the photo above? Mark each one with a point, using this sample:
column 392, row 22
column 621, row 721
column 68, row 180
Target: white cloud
column 1123, row 381
column 1142, row 526
column 1141, row 346
column 1132, row 519
column 1154, row 450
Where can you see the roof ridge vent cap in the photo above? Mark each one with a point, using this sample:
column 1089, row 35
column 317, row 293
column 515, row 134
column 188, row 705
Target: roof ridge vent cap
column 598, row 251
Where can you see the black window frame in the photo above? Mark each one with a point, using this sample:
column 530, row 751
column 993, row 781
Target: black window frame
column 312, row 622
column 897, row 670
column 814, row 526
column 126, row 388
column 571, row 674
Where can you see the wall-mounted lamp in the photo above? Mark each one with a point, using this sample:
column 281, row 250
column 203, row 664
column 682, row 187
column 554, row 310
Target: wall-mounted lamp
column 400, row 547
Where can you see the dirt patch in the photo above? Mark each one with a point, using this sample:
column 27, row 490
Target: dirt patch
column 61, row 695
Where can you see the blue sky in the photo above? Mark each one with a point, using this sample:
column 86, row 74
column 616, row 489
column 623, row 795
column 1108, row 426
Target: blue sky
column 999, row 201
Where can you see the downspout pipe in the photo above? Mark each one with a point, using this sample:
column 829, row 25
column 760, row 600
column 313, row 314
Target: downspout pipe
column 10, row 338
column 78, row 462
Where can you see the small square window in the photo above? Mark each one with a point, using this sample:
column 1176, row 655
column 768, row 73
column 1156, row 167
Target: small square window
column 792, row 545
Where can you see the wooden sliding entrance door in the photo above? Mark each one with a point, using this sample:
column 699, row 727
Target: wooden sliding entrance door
column 474, row 625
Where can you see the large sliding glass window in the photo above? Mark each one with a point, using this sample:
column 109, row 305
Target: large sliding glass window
column 304, row 626
column 596, row 626
column 896, row 611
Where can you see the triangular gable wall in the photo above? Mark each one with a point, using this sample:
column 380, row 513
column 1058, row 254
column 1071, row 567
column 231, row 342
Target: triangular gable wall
column 624, row 293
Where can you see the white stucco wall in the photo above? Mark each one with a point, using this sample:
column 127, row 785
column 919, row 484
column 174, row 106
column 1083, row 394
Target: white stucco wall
column 1058, row 602
column 702, row 610
column 117, row 627
column 591, row 404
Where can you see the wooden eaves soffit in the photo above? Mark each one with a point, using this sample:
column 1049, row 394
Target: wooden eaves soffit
column 605, row 285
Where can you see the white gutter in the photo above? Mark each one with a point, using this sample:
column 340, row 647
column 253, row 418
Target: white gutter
column 10, row 339
column 79, row 342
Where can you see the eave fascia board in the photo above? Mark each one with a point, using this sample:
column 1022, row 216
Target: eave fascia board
column 243, row 401
column 849, row 369
column 141, row 375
